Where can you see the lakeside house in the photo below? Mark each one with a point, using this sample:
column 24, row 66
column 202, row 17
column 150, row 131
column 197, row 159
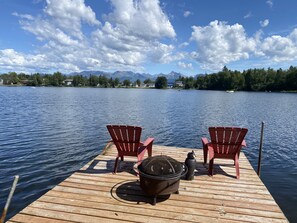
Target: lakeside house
column 150, row 85
column 68, row 82
column 25, row 82
column 1, row 81
column 179, row 84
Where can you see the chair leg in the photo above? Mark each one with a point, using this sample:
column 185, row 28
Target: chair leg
column 205, row 151
column 210, row 167
column 122, row 158
column 237, row 166
column 116, row 165
column 150, row 149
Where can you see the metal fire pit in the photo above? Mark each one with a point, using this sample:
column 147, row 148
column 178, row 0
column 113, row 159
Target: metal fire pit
column 160, row 175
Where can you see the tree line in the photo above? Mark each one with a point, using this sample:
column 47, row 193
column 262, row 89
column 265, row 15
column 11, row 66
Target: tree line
column 247, row 80
column 57, row 79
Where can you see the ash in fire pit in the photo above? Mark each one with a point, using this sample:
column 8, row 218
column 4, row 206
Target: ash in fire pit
column 160, row 175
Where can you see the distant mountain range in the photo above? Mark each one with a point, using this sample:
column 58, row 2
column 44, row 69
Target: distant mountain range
column 129, row 75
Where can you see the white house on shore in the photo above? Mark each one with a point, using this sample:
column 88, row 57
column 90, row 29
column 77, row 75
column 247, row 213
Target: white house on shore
column 150, row 85
column 179, row 84
column 1, row 81
column 68, row 82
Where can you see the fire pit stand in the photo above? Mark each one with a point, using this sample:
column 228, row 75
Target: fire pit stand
column 160, row 175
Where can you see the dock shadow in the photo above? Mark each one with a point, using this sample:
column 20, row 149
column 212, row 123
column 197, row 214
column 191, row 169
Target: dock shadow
column 130, row 192
column 93, row 170
column 202, row 169
column 107, row 166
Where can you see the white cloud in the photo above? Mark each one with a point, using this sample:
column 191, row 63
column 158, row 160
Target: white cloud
column 269, row 3
column 187, row 13
column 44, row 30
column 185, row 65
column 19, row 62
column 278, row 48
column 264, row 23
column 248, row 15
column 219, row 44
column 69, row 15
column 23, row 16
column 144, row 19
column 130, row 36
column 133, row 34
column 184, row 44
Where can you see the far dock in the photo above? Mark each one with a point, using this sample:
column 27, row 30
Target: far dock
column 94, row 194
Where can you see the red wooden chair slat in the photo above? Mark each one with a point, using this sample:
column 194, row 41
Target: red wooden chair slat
column 228, row 133
column 127, row 141
column 226, row 143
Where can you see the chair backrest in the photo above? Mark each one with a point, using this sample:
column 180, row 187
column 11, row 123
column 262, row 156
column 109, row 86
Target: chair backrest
column 126, row 138
column 227, row 140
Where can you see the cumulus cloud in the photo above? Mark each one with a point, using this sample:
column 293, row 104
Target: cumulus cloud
column 45, row 30
column 187, row 13
column 68, row 15
column 141, row 18
column 185, row 65
column 219, row 44
column 184, row 44
column 15, row 61
column 129, row 37
column 248, row 15
column 269, row 3
column 132, row 34
column 278, row 48
column 264, row 23
column 23, row 16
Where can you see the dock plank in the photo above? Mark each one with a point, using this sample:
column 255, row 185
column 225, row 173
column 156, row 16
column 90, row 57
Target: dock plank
column 94, row 194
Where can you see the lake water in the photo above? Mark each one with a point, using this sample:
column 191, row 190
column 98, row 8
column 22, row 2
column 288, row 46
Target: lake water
column 47, row 133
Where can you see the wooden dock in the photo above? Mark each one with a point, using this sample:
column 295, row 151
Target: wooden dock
column 94, row 194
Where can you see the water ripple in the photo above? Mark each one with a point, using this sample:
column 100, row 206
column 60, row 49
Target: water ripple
column 48, row 133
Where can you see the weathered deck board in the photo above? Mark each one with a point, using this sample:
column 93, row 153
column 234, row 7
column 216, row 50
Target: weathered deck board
column 94, row 194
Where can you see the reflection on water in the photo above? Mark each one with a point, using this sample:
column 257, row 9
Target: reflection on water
column 47, row 133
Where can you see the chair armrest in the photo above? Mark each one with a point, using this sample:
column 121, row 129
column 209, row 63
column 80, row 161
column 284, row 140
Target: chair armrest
column 243, row 143
column 147, row 144
column 148, row 141
column 204, row 141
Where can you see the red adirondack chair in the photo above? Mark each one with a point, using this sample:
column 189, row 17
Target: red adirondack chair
column 127, row 141
column 226, row 143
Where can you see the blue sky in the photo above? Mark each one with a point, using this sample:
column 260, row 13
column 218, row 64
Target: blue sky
column 149, row 36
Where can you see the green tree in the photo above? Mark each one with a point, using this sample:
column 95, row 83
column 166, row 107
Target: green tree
column 79, row 80
column 116, row 82
column 13, row 78
column 127, row 83
column 147, row 81
column 57, row 79
column 280, row 80
column 93, row 80
column 36, row 79
column 291, row 79
column 189, row 82
column 201, row 82
column 103, row 81
column 138, row 82
column 237, row 81
column 161, row 82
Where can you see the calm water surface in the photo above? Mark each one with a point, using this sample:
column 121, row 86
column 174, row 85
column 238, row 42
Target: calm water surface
column 47, row 133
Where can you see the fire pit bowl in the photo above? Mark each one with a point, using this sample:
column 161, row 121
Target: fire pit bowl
column 160, row 175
